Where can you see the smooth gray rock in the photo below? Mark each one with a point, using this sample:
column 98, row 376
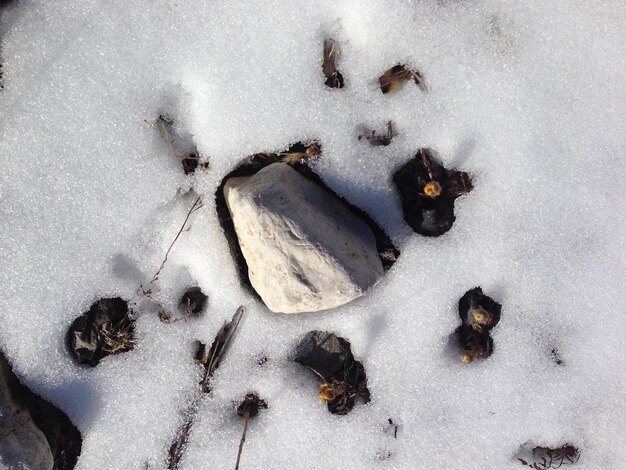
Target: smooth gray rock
column 22, row 444
column 305, row 250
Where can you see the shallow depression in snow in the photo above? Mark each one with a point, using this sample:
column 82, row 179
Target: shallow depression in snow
column 527, row 98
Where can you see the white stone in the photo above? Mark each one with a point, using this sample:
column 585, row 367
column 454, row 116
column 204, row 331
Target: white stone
column 22, row 444
column 305, row 250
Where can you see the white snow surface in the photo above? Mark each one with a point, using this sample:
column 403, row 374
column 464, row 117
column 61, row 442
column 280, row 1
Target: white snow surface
column 528, row 97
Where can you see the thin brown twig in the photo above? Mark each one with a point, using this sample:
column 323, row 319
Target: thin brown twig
column 160, row 122
column 165, row 318
column 243, row 438
column 196, row 206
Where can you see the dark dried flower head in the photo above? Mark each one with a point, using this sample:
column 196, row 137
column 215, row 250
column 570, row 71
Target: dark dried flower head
column 544, row 458
column 250, row 405
column 342, row 377
column 428, row 192
column 475, row 344
column 479, row 311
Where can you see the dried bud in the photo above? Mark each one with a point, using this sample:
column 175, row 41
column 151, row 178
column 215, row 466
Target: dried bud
column 432, row 189
column 466, row 357
column 326, row 392
column 250, row 405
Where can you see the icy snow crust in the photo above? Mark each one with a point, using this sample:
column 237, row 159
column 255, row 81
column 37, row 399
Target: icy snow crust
column 528, row 97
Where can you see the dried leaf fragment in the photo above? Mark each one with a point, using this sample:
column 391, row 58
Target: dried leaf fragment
column 297, row 153
column 380, row 139
column 544, row 458
column 219, row 347
column 334, row 79
column 190, row 160
column 392, row 79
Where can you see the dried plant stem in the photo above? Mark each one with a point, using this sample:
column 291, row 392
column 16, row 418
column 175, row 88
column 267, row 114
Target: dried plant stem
column 160, row 123
column 218, row 349
column 179, row 444
column 243, row 438
column 196, row 206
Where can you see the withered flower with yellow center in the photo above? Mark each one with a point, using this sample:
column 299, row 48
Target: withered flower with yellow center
column 466, row 357
column 432, row 189
column 326, row 392
column 481, row 317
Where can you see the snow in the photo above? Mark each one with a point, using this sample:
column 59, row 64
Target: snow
column 528, row 97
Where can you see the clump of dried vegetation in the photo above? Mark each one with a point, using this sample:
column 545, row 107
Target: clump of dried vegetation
column 377, row 140
column 545, row 458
